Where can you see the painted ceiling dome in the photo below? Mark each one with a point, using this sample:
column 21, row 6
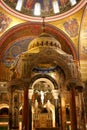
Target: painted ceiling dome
column 44, row 40
column 33, row 10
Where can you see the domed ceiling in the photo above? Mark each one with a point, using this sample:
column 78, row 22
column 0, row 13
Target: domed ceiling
column 35, row 9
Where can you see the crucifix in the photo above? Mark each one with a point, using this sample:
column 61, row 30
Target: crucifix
column 42, row 93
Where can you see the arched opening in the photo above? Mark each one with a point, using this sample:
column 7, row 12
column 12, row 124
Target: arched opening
column 43, row 110
column 42, row 73
column 4, row 116
column 4, row 111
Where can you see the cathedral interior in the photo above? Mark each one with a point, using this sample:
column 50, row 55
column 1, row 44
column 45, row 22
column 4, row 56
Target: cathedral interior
column 43, row 64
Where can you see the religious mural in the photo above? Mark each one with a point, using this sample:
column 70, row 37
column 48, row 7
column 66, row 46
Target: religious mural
column 27, row 6
column 4, row 22
column 14, row 50
column 71, row 27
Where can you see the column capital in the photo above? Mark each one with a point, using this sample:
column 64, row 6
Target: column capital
column 80, row 86
column 11, row 88
column 16, row 83
column 55, row 93
column 30, row 93
column 71, row 83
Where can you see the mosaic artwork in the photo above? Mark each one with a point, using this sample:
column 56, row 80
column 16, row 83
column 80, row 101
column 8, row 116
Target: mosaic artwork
column 4, row 22
column 15, row 50
column 27, row 6
column 71, row 27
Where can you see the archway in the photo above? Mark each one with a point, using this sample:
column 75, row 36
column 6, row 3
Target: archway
column 43, row 112
column 45, row 57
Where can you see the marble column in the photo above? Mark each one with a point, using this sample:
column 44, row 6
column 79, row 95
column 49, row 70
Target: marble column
column 25, row 109
column 10, row 108
column 30, row 93
column 55, row 95
column 73, row 115
column 63, row 111
column 81, row 106
column 13, row 109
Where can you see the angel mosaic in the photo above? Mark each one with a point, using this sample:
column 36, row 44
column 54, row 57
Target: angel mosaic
column 4, row 22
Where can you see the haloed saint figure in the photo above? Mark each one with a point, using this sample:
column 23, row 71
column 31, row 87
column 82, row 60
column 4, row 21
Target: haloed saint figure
column 47, row 6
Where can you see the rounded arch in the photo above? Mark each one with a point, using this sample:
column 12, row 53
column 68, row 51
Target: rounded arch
column 45, row 80
column 26, row 30
column 4, row 111
column 49, row 55
column 44, row 77
column 4, row 105
column 4, row 108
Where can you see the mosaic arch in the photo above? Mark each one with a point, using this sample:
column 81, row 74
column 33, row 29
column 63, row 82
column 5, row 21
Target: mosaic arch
column 16, row 40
